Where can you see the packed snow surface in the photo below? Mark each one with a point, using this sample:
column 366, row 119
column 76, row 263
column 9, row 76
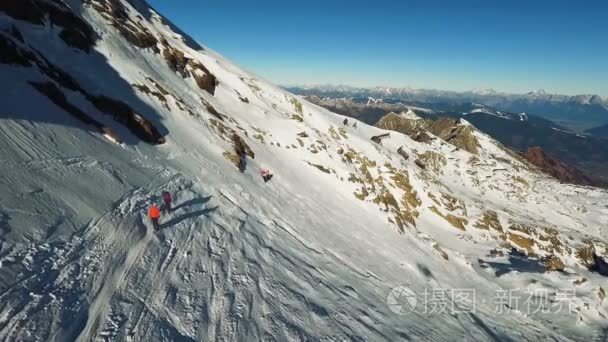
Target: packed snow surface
column 323, row 251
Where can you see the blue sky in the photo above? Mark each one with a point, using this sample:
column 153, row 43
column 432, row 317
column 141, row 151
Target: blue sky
column 515, row 46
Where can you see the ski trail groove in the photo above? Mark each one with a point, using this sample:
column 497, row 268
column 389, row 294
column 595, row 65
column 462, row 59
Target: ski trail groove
column 112, row 280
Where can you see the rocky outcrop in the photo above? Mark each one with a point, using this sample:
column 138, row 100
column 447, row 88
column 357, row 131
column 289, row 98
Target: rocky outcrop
column 187, row 67
column 240, row 146
column 456, row 132
column 398, row 123
column 378, row 138
column 557, row 169
column 134, row 32
column 75, row 32
column 13, row 53
column 453, row 131
column 402, row 153
column 553, row 263
column 589, row 258
column 124, row 114
column 53, row 93
column 203, row 77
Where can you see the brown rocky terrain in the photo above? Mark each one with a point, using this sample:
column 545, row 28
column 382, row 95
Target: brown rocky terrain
column 557, row 169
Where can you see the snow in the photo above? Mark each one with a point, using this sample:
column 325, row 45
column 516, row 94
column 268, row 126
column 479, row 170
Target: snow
column 410, row 114
column 569, row 132
column 297, row 258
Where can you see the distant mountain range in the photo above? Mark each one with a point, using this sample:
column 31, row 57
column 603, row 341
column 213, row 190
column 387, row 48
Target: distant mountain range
column 580, row 112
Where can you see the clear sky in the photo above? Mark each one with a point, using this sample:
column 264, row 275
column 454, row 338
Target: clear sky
column 508, row 45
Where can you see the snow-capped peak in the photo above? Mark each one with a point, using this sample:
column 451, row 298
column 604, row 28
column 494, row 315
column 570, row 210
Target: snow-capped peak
column 410, row 114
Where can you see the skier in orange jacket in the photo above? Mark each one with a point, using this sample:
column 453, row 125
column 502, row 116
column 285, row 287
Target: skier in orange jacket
column 154, row 214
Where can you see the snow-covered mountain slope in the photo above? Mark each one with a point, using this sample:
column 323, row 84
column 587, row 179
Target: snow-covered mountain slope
column 106, row 105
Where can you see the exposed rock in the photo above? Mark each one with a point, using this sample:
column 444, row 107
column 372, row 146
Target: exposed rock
column 402, row 153
column 11, row 53
column 53, row 93
column 599, row 265
column 124, row 114
column 25, row 10
column 320, row 167
column 432, row 160
column 557, row 169
column 246, row 100
column 522, row 242
column 176, row 60
column 455, row 132
column 423, row 137
column 420, row 164
column 212, row 110
column 134, row 32
column 146, row 90
column 553, row 263
column 496, row 253
column 378, row 138
column 489, row 221
column 186, row 67
column 207, row 80
column 455, row 221
column 75, row 31
column 579, row 281
column 441, row 251
column 297, row 105
column 14, row 31
column 240, row 146
column 399, row 123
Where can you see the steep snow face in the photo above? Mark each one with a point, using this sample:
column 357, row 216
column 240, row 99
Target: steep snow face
column 97, row 123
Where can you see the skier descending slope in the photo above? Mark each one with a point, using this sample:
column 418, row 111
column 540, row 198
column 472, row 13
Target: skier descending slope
column 266, row 174
column 243, row 161
column 154, row 214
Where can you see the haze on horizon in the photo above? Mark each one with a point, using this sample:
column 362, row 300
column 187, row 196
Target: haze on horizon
column 514, row 47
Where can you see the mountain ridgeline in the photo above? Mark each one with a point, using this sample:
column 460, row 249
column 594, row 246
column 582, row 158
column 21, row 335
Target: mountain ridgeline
column 517, row 131
column 578, row 112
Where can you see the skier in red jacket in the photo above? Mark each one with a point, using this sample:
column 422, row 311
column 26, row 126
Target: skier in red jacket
column 266, row 174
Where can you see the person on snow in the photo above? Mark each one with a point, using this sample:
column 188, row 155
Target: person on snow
column 345, row 122
column 168, row 200
column 266, row 174
column 243, row 161
column 154, row 215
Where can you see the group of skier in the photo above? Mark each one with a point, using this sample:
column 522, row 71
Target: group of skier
column 154, row 211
